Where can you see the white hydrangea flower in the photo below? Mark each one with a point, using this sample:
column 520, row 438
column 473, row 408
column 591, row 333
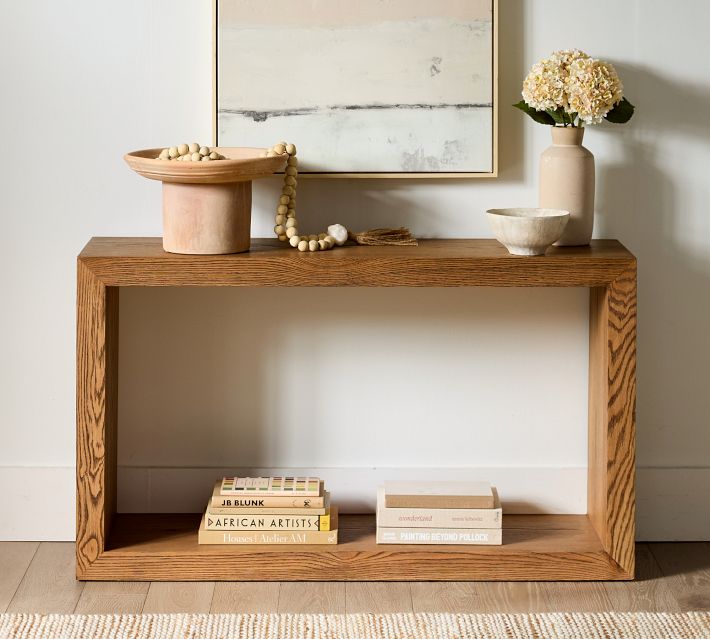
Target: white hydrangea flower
column 593, row 87
column 545, row 85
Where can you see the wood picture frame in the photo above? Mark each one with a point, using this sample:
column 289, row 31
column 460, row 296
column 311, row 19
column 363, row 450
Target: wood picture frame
column 432, row 155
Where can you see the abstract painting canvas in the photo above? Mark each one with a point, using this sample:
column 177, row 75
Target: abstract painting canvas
column 372, row 87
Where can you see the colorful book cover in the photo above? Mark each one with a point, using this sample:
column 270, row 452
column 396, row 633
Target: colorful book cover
column 443, row 536
column 270, row 537
column 267, row 522
column 252, row 501
column 271, row 486
column 438, row 494
column 438, row 517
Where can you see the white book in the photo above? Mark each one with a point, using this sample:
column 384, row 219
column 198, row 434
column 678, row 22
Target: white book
column 441, row 536
column 438, row 517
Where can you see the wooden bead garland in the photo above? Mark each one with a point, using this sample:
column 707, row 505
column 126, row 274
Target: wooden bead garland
column 190, row 153
column 286, row 228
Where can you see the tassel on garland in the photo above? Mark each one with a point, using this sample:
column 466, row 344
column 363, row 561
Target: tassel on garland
column 382, row 237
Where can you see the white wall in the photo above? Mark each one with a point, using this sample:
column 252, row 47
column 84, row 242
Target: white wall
column 81, row 87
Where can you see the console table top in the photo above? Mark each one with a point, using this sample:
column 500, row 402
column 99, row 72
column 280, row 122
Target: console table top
column 141, row 261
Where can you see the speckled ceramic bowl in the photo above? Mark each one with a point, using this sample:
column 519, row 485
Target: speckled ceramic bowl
column 527, row 231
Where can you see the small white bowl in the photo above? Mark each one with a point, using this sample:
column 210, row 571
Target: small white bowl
column 527, row 231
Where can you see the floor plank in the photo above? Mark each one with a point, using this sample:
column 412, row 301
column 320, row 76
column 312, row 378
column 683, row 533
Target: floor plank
column 246, row 597
column 472, row 597
column 367, row 596
column 179, row 596
column 574, row 596
column 649, row 592
column 49, row 585
column 15, row 558
column 112, row 597
column 686, row 569
column 317, row 597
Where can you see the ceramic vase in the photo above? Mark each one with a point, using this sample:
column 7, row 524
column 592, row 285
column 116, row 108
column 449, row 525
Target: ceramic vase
column 567, row 183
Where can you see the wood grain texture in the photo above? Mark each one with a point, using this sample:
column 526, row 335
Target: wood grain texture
column 15, row 558
column 381, row 598
column 307, row 598
column 686, row 568
column 649, row 592
column 96, row 414
column 252, row 597
column 536, row 547
column 612, row 416
column 49, row 585
column 142, row 262
column 164, row 547
column 112, row 597
column 176, row 596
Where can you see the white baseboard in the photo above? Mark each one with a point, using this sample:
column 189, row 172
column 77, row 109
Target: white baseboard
column 522, row 490
column 673, row 504
column 37, row 503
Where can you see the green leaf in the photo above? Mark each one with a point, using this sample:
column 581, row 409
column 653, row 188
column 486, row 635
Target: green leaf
column 542, row 117
column 621, row 112
column 558, row 116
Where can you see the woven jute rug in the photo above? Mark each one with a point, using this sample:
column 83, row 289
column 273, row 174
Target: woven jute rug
column 692, row 625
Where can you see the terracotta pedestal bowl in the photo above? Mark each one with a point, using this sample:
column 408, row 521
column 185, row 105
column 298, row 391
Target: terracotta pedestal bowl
column 207, row 205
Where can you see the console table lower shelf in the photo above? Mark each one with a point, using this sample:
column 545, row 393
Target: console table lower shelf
column 539, row 547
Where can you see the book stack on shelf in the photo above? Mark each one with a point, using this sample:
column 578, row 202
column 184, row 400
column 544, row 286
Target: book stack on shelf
column 443, row 512
column 269, row 510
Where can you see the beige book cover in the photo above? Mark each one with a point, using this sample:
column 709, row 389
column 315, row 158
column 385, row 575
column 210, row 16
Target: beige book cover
column 269, row 537
column 262, row 510
column 441, row 536
column 438, row 494
column 438, row 517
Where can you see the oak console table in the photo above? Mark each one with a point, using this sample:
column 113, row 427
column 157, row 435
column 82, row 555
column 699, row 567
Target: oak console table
column 599, row 545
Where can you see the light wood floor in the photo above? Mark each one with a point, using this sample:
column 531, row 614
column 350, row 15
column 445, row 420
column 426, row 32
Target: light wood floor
column 39, row 578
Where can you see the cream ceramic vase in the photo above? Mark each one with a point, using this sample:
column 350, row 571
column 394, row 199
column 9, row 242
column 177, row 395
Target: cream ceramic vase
column 567, row 183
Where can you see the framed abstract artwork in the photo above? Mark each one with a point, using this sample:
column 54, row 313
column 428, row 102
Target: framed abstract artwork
column 373, row 88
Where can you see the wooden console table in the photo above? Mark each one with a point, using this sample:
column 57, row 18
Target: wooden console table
column 599, row 545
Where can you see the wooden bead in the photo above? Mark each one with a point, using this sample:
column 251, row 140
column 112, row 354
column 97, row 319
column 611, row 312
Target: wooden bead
column 284, row 199
column 291, row 212
column 204, row 151
column 322, row 245
column 173, row 152
column 280, row 219
column 287, row 190
column 193, row 147
column 214, row 155
column 294, row 241
column 290, row 149
column 303, row 245
column 290, row 180
column 279, row 148
column 183, row 148
column 164, row 154
column 195, row 157
column 292, row 161
column 282, row 209
column 329, row 241
column 322, row 236
column 206, row 158
column 283, row 237
column 291, row 170
column 279, row 229
column 291, row 231
column 291, row 222
column 313, row 245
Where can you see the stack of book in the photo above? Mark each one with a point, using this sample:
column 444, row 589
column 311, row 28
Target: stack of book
column 269, row 510
column 444, row 512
